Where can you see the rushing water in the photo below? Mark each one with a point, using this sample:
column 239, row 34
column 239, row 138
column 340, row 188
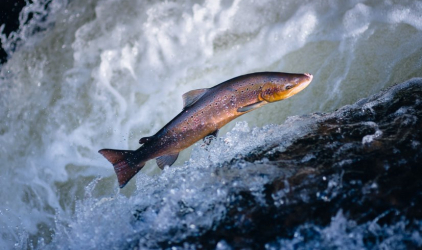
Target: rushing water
column 92, row 74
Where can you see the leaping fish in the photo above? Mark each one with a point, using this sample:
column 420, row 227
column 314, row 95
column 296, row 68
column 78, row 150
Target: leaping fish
column 204, row 112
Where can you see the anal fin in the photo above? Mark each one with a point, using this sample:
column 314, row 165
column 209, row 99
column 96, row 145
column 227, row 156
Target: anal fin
column 251, row 106
column 166, row 160
column 207, row 139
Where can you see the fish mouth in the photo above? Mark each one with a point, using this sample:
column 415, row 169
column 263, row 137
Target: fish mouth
column 305, row 81
column 310, row 76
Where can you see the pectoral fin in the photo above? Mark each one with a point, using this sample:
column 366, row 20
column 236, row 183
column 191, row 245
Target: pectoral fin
column 192, row 96
column 166, row 160
column 251, row 107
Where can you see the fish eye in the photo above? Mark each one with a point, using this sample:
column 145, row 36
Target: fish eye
column 289, row 86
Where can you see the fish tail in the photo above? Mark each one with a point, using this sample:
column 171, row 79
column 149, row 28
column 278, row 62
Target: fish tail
column 124, row 162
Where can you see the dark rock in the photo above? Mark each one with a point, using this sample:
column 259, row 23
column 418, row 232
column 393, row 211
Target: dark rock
column 9, row 17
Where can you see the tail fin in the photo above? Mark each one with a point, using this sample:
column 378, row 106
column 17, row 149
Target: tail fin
column 124, row 164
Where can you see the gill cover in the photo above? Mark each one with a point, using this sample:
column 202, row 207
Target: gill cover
column 272, row 92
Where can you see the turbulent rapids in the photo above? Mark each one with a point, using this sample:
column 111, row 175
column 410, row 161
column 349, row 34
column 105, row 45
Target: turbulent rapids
column 85, row 74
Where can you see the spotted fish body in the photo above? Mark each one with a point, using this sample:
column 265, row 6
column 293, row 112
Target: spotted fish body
column 205, row 112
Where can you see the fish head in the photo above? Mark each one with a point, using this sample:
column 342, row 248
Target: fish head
column 284, row 85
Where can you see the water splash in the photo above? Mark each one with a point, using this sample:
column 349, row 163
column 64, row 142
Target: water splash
column 83, row 75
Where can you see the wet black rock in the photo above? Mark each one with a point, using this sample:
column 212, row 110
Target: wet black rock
column 362, row 162
column 9, row 17
column 365, row 161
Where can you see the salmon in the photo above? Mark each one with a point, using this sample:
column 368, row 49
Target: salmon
column 204, row 112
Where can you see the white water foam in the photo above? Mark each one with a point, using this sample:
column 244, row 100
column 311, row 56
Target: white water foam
column 347, row 234
column 105, row 73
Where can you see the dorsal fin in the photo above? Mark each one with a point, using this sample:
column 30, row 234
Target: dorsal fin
column 189, row 98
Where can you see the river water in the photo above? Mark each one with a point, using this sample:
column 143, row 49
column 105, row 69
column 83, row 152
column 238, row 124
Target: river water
column 85, row 75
